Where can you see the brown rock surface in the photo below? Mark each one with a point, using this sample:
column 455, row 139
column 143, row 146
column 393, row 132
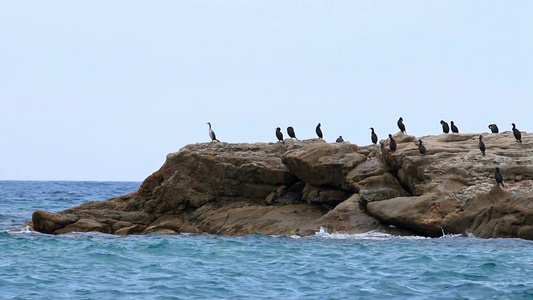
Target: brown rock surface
column 47, row 222
column 297, row 187
column 323, row 164
column 455, row 187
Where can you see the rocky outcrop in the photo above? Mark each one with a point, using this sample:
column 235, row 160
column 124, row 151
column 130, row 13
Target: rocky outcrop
column 453, row 187
column 297, row 187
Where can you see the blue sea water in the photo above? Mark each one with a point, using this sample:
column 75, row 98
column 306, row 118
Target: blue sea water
column 323, row 266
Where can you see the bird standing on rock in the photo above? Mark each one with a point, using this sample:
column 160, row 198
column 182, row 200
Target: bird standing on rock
column 392, row 143
column 445, row 127
column 517, row 134
column 373, row 136
column 291, row 133
column 498, row 177
column 401, row 125
column 340, row 139
column 212, row 133
column 494, row 128
column 421, row 148
column 481, row 145
column 454, row 128
column 279, row 135
column 318, row 131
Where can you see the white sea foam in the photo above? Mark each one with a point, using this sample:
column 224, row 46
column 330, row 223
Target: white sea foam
column 449, row 235
column 21, row 229
column 370, row 235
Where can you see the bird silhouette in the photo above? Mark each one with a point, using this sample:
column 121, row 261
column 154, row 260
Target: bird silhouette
column 401, row 125
column 319, row 131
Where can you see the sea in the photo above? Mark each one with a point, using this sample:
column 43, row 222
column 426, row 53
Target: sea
column 372, row 265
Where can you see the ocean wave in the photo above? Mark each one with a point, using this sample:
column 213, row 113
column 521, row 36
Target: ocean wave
column 21, row 229
column 370, row 235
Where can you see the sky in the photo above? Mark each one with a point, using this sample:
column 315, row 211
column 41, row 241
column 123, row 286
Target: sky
column 104, row 90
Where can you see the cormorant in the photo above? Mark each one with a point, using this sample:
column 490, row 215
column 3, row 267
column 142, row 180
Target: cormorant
column 445, row 127
column 373, row 136
column 493, row 128
column 401, row 126
column 392, row 143
column 454, row 128
column 517, row 134
column 498, row 177
column 290, row 131
column 318, row 131
column 212, row 133
column 340, row 140
column 481, row 144
column 279, row 135
column 421, row 148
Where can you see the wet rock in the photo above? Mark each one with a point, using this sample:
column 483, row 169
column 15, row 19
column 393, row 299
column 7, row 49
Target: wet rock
column 134, row 229
column 350, row 218
column 47, row 222
column 168, row 226
column 84, row 225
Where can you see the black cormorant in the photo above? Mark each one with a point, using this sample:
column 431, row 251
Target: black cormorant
column 279, row 135
column 454, row 128
column 481, row 144
column 318, row 131
column 392, row 143
column 494, row 128
column 445, row 127
column 401, row 125
column 498, row 177
column 373, row 136
column 290, row 131
column 517, row 134
column 421, row 148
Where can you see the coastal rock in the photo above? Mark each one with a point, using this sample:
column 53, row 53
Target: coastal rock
column 243, row 218
column 454, row 190
column 47, row 222
column 170, row 226
column 498, row 213
column 134, row 229
column 203, row 173
column 84, row 225
column 323, row 164
column 283, row 195
column 380, row 187
column 298, row 187
column 331, row 197
column 420, row 214
column 372, row 167
column 350, row 217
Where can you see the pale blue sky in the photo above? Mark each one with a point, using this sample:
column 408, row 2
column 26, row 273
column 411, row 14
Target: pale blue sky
column 103, row 90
